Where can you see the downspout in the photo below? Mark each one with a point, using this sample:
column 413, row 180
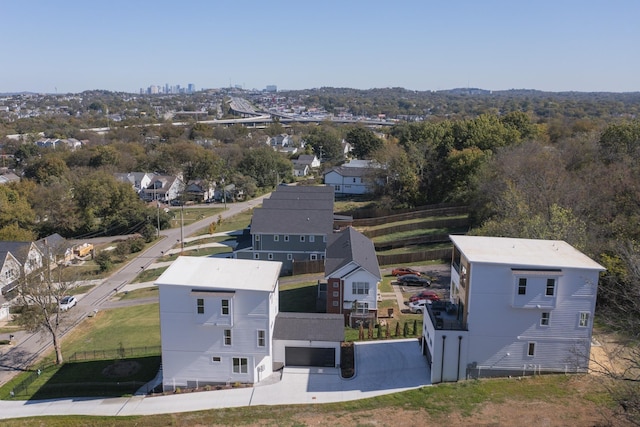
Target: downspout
column 444, row 337
column 459, row 349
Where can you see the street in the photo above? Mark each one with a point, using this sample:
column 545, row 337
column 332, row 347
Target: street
column 28, row 347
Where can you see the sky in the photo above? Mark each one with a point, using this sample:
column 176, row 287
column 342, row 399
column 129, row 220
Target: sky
column 68, row 46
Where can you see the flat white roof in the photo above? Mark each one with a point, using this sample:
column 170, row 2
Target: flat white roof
column 523, row 252
column 222, row 273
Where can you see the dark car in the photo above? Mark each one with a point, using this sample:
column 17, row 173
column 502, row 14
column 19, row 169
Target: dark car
column 426, row 294
column 401, row 271
column 413, row 280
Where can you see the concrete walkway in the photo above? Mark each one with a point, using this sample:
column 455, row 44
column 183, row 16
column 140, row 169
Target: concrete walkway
column 382, row 367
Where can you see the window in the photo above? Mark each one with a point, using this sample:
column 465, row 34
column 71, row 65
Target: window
column 270, row 256
column 313, row 257
column 360, row 288
column 256, row 255
column 261, row 338
column 336, row 293
column 551, row 287
column 257, row 237
column 302, row 238
column 312, row 239
column 337, row 188
column 522, row 286
column 354, row 180
column 544, row 319
column 276, row 238
column 335, row 303
column 225, row 307
column 227, row 337
column 286, row 237
column 324, row 238
column 289, row 257
column 240, row 365
column 584, row 319
column 336, row 284
column 362, row 308
column 216, row 359
column 531, row 349
column 200, row 305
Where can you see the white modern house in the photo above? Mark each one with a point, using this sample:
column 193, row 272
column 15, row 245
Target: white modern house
column 217, row 320
column 517, row 307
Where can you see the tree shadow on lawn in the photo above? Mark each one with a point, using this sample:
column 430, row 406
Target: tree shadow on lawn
column 113, row 378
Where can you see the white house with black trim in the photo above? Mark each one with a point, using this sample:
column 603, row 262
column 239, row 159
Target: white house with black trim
column 219, row 324
column 217, row 319
column 517, row 307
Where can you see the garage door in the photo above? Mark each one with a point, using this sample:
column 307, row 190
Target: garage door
column 306, row 356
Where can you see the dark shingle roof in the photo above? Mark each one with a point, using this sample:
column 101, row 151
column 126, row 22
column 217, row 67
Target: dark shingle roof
column 351, row 246
column 298, row 221
column 309, row 326
column 297, row 204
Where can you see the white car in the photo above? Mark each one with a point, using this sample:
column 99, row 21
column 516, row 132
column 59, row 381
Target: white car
column 418, row 306
column 67, row 302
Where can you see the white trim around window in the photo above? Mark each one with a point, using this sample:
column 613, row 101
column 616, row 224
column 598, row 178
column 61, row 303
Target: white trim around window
column 583, row 321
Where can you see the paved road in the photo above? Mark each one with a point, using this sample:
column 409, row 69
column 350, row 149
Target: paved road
column 29, row 347
column 381, row 368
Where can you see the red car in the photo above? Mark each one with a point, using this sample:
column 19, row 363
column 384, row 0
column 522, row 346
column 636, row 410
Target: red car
column 401, row 271
column 426, row 294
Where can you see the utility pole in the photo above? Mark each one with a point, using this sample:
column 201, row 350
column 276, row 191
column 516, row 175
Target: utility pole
column 182, row 229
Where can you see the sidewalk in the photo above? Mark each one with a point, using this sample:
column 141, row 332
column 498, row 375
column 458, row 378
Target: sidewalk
column 383, row 367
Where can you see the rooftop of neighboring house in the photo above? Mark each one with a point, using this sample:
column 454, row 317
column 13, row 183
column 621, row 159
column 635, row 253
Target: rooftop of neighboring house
column 310, row 192
column 298, row 221
column 350, row 171
column 222, row 274
column 351, row 246
column 309, row 326
column 297, row 204
column 523, row 252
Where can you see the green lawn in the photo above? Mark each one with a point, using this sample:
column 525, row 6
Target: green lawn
column 300, row 297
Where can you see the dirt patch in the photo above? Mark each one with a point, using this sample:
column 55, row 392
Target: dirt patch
column 121, row 369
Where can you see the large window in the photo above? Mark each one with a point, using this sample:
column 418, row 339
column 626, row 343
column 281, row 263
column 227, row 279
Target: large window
column 551, row 287
column 225, row 307
column 240, row 365
column 261, row 338
column 584, row 319
column 227, row 337
column 360, row 288
column 200, row 305
column 522, row 286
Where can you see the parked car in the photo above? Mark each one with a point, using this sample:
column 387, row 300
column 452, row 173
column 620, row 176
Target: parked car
column 401, row 271
column 426, row 294
column 418, row 306
column 67, row 302
column 413, row 280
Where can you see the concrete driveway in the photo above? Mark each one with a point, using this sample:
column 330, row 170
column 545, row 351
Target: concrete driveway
column 381, row 368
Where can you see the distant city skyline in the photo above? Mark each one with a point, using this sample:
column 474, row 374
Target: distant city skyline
column 70, row 46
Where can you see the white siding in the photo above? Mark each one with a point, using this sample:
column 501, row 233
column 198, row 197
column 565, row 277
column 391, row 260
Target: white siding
column 189, row 344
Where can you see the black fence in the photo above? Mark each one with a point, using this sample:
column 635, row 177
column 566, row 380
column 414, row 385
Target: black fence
column 117, row 353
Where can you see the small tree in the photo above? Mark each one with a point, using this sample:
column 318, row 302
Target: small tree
column 405, row 330
column 398, row 329
column 104, row 261
column 40, row 290
column 415, row 326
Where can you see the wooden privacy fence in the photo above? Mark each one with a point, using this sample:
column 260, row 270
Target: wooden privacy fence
column 435, row 212
column 413, row 257
column 412, row 241
column 308, row 267
column 436, row 223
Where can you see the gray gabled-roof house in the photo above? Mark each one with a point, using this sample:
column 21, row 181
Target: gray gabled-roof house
column 292, row 226
column 352, row 274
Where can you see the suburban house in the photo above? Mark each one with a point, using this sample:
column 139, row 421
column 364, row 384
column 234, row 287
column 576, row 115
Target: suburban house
column 352, row 178
column 219, row 324
column 163, row 188
column 279, row 141
column 199, row 190
column 300, row 169
column 138, row 180
column 217, row 321
column 517, row 307
column 8, row 177
column 352, row 275
column 293, row 226
column 30, row 256
column 304, row 164
column 16, row 256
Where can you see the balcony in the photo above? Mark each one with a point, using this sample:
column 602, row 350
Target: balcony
column 444, row 316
